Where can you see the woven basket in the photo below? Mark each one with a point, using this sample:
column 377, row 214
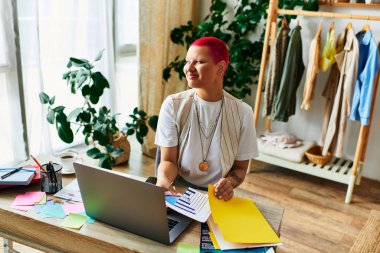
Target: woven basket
column 314, row 154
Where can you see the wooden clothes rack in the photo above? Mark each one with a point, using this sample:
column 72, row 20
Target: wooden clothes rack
column 339, row 170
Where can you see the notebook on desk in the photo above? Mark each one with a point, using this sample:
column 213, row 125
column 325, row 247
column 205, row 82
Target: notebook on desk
column 21, row 176
column 129, row 204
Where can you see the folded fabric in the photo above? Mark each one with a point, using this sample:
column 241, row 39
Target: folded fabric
column 281, row 140
column 296, row 154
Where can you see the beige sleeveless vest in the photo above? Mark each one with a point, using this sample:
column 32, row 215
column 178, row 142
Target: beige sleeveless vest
column 231, row 117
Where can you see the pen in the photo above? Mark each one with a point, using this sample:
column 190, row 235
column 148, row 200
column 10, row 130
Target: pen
column 2, row 169
column 10, row 173
column 39, row 165
column 54, row 176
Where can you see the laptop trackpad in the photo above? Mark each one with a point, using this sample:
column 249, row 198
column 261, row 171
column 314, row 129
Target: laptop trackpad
column 177, row 223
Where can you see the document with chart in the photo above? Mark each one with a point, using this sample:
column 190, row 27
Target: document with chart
column 192, row 203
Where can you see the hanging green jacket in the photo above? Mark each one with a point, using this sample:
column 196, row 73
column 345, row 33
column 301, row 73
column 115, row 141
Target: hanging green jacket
column 285, row 103
column 276, row 63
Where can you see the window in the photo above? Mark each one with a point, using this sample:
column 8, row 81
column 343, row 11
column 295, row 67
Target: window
column 51, row 31
column 126, row 40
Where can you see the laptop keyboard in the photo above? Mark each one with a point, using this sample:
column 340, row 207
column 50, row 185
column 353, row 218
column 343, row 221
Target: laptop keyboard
column 172, row 223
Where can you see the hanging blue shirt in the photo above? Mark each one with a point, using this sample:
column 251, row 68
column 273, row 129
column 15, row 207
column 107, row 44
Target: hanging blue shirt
column 367, row 68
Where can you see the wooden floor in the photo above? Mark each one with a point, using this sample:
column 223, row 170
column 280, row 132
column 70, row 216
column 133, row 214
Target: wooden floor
column 315, row 219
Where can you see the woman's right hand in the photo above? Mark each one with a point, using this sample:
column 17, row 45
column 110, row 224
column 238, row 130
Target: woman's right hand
column 166, row 184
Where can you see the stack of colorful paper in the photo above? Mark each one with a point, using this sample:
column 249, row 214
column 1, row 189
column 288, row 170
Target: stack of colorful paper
column 73, row 213
column 26, row 201
column 238, row 224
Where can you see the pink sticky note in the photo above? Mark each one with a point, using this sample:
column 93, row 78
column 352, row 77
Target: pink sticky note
column 22, row 208
column 73, row 208
column 29, row 198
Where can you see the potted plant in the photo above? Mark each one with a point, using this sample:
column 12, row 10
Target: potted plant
column 245, row 49
column 97, row 124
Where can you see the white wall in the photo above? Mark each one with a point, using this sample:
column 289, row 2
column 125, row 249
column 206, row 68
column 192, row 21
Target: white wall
column 308, row 124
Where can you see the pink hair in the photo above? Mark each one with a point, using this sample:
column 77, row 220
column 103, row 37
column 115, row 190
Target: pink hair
column 217, row 48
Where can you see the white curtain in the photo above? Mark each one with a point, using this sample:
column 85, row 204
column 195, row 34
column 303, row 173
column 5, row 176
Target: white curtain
column 51, row 31
column 12, row 147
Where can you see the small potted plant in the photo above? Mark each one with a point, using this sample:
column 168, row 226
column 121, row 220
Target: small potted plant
column 98, row 125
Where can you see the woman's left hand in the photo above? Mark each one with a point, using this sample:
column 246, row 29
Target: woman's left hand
column 224, row 189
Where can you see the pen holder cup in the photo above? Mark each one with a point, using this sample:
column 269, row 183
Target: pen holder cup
column 49, row 182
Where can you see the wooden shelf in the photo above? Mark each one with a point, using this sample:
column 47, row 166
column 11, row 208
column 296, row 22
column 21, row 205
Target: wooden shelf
column 355, row 5
column 338, row 170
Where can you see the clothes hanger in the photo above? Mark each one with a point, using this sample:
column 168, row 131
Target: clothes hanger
column 332, row 25
column 349, row 24
column 320, row 26
column 284, row 22
column 320, row 22
column 298, row 20
column 366, row 26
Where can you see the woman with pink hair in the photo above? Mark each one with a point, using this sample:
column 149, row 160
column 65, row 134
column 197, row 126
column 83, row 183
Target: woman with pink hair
column 205, row 135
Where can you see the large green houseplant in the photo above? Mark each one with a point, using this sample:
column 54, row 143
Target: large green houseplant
column 244, row 47
column 96, row 123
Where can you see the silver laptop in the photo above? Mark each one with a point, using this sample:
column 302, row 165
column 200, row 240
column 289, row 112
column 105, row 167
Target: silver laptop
column 129, row 204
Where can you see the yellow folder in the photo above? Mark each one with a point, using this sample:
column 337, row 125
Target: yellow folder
column 240, row 220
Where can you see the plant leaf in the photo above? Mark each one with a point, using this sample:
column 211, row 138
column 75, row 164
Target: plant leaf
column 44, row 98
column 86, row 139
column 143, row 130
column 152, row 122
column 72, row 115
column 109, row 148
column 142, row 113
column 99, row 55
column 66, row 75
column 130, row 131
column 86, row 90
column 93, row 152
column 139, row 138
column 80, row 80
column 59, row 109
column 85, row 116
column 101, row 138
column 65, row 133
column 51, row 101
column 94, row 95
column 117, row 153
column 166, row 73
column 50, row 116
column 133, row 117
column 61, row 119
column 106, row 162
column 78, row 62
column 99, row 80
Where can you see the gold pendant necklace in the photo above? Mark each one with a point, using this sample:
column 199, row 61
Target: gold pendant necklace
column 203, row 166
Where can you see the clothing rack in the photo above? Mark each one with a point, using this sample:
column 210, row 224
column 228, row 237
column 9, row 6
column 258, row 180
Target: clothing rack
column 339, row 170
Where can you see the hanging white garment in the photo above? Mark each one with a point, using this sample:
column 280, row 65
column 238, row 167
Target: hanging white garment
column 347, row 62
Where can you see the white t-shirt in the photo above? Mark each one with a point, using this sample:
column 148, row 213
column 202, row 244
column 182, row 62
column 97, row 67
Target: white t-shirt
column 166, row 136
